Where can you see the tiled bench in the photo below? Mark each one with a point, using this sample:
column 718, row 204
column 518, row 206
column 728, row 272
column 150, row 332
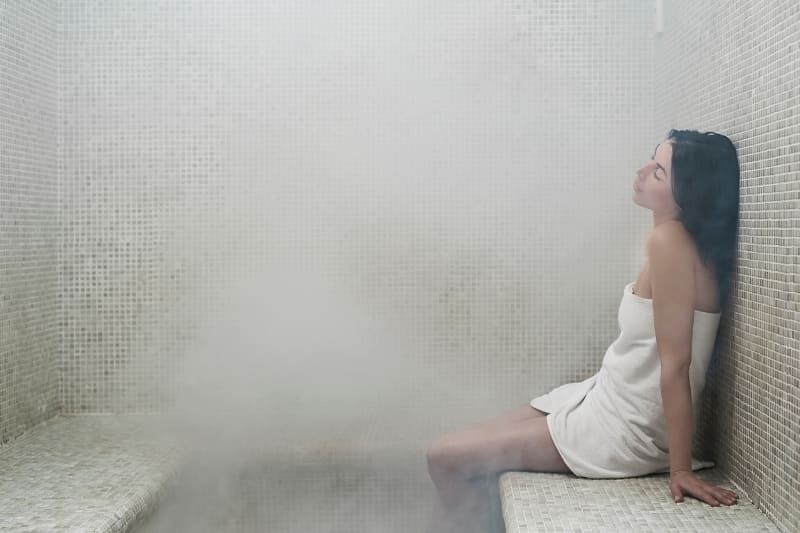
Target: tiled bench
column 104, row 473
column 108, row 473
column 563, row 502
column 92, row 473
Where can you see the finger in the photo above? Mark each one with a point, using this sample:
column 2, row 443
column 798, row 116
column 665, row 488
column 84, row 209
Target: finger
column 710, row 499
column 722, row 498
column 676, row 492
column 724, row 494
column 705, row 493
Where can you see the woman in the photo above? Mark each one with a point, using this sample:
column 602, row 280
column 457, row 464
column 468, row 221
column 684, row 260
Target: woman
column 635, row 415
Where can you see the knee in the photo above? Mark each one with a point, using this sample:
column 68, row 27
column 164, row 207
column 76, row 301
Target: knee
column 440, row 458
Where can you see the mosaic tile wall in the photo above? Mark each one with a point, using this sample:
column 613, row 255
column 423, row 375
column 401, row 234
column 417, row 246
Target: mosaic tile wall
column 29, row 229
column 733, row 67
column 461, row 171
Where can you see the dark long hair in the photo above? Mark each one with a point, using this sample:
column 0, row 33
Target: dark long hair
column 705, row 185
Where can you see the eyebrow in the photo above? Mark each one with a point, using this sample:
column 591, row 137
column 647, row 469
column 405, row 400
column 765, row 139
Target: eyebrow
column 657, row 163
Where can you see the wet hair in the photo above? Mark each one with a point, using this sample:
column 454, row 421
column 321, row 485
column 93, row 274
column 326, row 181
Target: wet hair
column 705, row 186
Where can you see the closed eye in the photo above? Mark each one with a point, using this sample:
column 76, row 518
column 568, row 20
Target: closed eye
column 654, row 174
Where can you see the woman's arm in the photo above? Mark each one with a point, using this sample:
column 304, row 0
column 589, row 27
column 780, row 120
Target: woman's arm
column 672, row 281
column 676, row 397
column 669, row 251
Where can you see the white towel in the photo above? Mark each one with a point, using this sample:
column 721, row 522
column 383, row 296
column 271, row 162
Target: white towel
column 612, row 425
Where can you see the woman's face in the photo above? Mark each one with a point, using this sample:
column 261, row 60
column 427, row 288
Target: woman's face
column 653, row 184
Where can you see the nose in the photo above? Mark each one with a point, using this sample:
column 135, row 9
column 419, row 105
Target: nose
column 643, row 170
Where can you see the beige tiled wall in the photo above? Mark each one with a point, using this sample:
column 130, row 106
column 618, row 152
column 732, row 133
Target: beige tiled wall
column 732, row 67
column 460, row 172
column 29, row 230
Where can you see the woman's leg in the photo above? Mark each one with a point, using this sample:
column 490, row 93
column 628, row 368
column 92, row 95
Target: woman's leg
column 461, row 506
column 459, row 463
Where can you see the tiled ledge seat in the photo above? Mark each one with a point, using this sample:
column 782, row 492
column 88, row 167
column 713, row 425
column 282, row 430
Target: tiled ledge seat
column 109, row 473
column 563, row 502
column 88, row 473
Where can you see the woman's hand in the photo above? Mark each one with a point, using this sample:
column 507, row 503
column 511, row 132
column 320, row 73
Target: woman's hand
column 685, row 482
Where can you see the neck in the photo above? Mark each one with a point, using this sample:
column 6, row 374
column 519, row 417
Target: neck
column 660, row 218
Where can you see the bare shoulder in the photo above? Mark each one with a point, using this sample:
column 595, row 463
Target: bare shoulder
column 672, row 254
column 670, row 257
column 671, row 237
